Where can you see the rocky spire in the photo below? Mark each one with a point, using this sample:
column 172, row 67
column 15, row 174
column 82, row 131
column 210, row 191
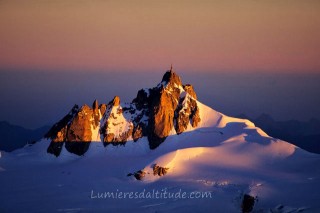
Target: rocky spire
column 171, row 77
column 96, row 114
column 95, row 105
column 116, row 101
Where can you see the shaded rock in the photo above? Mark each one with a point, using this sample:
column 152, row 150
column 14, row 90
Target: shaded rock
column 247, row 203
column 58, row 132
column 142, row 99
column 55, row 148
column 139, row 175
column 95, row 105
column 195, row 113
column 52, row 133
column 137, row 133
column 158, row 170
column 57, row 143
column 141, row 108
column 78, row 148
column 182, row 121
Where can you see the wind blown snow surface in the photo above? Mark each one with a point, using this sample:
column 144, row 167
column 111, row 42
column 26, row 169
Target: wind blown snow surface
column 210, row 169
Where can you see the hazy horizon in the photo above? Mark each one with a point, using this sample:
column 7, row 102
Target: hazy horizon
column 34, row 98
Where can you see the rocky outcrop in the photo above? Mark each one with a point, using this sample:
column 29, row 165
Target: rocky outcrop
column 169, row 108
column 189, row 89
column 142, row 100
column 78, row 148
column 137, row 132
column 74, row 130
column 55, row 129
column 80, row 128
column 58, row 132
column 139, row 175
column 158, row 170
column 140, row 110
column 247, row 203
column 186, row 113
column 116, row 127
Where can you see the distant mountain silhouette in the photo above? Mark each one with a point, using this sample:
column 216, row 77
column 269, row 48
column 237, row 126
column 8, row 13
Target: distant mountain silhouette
column 305, row 135
column 13, row 136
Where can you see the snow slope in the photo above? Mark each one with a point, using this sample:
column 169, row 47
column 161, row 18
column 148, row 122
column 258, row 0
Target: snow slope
column 226, row 157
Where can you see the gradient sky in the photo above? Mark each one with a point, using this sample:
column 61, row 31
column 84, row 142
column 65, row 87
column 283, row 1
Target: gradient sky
column 207, row 35
column 242, row 56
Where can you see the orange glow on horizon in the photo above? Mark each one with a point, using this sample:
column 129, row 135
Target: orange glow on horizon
column 147, row 35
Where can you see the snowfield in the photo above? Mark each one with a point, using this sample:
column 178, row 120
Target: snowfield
column 211, row 167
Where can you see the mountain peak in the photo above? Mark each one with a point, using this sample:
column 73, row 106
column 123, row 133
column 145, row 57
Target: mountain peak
column 171, row 77
column 169, row 108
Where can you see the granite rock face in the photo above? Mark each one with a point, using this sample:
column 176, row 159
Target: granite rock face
column 58, row 132
column 79, row 129
column 162, row 107
column 155, row 113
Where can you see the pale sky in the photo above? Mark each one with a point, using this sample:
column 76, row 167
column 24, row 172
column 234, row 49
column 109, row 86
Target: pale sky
column 238, row 35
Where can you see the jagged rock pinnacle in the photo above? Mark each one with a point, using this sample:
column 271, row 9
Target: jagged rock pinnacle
column 171, row 77
column 96, row 114
column 116, row 101
column 95, row 104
